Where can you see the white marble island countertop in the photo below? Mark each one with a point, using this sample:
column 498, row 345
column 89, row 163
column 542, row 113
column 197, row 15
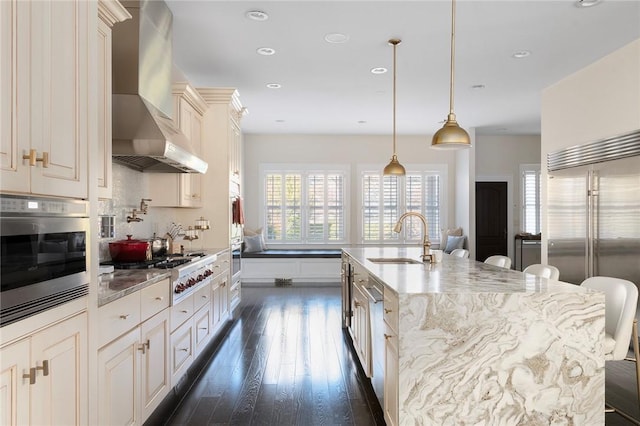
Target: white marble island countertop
column 452, row 275
column 478, row 344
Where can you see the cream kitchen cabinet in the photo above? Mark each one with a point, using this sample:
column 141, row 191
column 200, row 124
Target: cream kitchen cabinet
column 223, row 151
column 44, row 376
column 391, row 369
column 183, row 189
column 110, row 12
column 361, row 328
column 133, row 369
column 45, row 113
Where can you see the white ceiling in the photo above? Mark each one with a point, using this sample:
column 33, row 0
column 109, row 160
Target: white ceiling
column 329, row 89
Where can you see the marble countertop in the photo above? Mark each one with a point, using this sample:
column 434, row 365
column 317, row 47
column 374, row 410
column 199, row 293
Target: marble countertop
column 452, row 275
column 121, row 282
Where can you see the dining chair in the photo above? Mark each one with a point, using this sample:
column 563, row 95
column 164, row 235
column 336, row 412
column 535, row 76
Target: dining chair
column 543, row 271
column 621, row 325
column 499, row 260
column 463, row 253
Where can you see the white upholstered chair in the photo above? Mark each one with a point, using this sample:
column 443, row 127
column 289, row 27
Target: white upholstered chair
column 463, row 253
column 621, row 326
column 543, row 271
column 499, row 260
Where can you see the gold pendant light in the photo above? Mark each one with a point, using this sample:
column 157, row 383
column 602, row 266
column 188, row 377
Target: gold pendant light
column 394, row 167
column 451, row 135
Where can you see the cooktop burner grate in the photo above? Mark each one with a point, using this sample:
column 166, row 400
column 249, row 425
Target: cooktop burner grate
column 159, row 262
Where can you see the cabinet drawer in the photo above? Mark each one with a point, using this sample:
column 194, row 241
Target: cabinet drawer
column 181, row 351
column 391, row 309
column 118, row 317
column 201, row 297
column 181, row 312
column 154, row 298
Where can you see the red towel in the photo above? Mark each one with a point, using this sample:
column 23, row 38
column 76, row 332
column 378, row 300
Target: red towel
column 237, row 215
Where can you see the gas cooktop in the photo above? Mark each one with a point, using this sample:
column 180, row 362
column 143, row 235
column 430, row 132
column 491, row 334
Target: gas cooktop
column 165, row 262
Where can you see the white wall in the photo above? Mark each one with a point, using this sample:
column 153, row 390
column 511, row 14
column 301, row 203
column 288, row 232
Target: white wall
column 338, row 149
column 597, row 102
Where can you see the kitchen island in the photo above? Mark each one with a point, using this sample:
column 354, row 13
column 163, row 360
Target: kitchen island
column 470, row 343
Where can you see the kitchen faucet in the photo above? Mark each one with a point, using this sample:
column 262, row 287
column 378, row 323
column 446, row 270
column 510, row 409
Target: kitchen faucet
column 426, row 244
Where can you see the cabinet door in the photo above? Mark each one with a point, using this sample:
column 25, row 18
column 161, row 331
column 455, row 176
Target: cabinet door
column 14, row 81
column 59, row 96
column 59, row 396
column 235, row 151
column 362, row 329
column 104, row 110
column 119, row 381
column 14, row 389
column 202, row 328
column 181, row 351
column 156, row 381
column 391, row 376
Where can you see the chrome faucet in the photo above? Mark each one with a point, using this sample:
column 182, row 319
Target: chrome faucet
column 426, row 244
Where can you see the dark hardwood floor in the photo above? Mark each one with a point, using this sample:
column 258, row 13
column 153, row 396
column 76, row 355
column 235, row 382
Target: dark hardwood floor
column 286, row 361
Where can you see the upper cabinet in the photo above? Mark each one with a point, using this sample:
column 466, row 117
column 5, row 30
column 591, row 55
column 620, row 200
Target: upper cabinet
column 45, row 124
column 110, row 12
column 184, row 189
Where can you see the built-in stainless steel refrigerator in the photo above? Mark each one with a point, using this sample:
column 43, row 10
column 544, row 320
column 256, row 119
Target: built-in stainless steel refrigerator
column 593, row 199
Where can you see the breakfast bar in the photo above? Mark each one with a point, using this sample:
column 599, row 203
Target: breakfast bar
column 477, row 344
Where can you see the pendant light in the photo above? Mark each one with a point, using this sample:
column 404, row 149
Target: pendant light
column 394, row 167
column 451, row 135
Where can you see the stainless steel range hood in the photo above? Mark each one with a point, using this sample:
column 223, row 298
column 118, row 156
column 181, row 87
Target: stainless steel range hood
column 144, row 137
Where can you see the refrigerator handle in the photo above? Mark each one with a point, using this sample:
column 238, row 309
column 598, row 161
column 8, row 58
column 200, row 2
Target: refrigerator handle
column 592, row 193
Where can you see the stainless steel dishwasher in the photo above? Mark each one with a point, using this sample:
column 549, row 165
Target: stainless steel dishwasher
column 375, row 292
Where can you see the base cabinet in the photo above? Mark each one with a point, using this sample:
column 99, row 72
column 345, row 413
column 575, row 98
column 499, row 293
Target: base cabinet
column 391, row 374
column 133, row 373
column 43, row 377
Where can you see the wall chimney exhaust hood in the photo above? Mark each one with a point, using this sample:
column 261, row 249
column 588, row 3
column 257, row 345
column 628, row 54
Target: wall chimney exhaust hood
column 144, row 136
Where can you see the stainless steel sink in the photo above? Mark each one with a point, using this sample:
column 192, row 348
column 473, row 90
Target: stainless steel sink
column 397, row 260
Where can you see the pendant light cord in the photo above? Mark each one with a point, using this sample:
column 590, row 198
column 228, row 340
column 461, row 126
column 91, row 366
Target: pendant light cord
column 453, row 52
column 395, row 45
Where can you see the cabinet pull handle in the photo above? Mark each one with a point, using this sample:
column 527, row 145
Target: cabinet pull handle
column 202, row 328
column 204, row 296
column 31, row 376
column 183, row 349
column 387, row 336
column 184, row 311
column 226, row 261
column 44, row 368
column 387, row 311
column 144, row 347
column 159, row 298
column 357, row 304
column 124, row 316
column 33, row 158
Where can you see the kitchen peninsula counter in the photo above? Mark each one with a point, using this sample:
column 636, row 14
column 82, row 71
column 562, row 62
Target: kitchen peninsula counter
column 478, row 344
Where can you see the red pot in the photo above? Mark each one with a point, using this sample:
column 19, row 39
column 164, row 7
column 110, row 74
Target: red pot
column 129, row 250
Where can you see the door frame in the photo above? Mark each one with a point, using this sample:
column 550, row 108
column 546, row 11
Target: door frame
column 510, row 206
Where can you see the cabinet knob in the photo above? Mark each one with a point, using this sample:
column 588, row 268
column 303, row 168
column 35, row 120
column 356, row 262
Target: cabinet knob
column 387, row 336
column 31, row 376
column 44, row 368
column 357, row 304
column 124, row 316
column 159, row 298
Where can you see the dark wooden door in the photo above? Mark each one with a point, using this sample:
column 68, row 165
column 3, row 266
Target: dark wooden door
column 491, row 219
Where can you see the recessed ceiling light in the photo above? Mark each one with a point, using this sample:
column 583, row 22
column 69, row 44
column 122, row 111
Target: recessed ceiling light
column 274, row 85
column 478, row 86
column 587, row 3
column 521, row 54
column 378, row 70
column 257, row 15
column 266, row 51
column 336, row 38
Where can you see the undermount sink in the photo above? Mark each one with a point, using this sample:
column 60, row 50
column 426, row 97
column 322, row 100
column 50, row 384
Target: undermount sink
column 399, row 260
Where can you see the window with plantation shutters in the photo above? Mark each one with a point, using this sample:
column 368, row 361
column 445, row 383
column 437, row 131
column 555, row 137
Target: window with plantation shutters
column 304, row 206
column 385, row 198
column 530, row 198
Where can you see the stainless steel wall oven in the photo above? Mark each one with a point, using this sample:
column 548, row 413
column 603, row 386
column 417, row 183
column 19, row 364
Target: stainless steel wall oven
column 43, row 260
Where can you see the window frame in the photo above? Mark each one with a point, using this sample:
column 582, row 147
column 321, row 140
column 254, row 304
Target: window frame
column 435, row 169
column 306, row 170
column 524, row 170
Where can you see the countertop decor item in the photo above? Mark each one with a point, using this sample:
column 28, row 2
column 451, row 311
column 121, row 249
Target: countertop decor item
column 451, row 135
column 394, row 167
